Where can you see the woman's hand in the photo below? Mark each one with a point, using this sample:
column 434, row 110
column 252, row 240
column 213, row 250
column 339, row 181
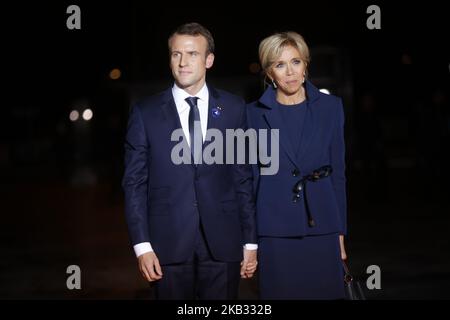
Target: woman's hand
column 341, row 243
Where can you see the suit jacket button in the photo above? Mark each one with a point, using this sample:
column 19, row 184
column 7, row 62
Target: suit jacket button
column 195, row 204
column 295, row 172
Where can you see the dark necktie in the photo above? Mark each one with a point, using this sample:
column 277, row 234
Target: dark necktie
column 195, row 131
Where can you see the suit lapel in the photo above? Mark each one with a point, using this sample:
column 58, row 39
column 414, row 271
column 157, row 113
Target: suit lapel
column 308, row 132
column 273, row 119
column 213, row 122
column 171, row 116
column 310, row 125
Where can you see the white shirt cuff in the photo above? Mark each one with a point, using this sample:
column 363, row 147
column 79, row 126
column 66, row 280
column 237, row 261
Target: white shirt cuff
column 251, row 246
column 142, row 248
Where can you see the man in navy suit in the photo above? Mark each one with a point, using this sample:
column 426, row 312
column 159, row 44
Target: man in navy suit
column 192, row 225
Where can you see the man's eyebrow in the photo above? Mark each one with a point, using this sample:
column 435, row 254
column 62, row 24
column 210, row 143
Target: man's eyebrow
column 190, row 52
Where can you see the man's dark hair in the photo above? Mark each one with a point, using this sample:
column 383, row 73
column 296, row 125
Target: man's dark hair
column 195, row 29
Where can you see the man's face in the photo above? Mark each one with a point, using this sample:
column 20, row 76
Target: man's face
column 188, row 61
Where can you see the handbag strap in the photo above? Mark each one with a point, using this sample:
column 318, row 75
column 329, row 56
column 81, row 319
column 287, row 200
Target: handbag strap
column 348, row 278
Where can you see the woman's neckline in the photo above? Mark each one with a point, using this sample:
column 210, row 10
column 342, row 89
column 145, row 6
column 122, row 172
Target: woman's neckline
column 291, row 105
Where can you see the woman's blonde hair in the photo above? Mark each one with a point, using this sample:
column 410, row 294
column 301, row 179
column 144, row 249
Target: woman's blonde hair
column 270, row 48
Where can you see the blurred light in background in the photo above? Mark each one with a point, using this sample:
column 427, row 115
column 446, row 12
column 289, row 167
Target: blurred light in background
column 88, row 114
column 326, row 91
column 254, row 67
column 406, row 59
column 115, row 74
column 74, row 115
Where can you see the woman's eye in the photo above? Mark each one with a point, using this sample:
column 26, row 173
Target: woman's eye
column 297, row 61
column 278, row 65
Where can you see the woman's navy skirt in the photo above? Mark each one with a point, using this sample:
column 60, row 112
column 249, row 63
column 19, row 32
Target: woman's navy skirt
column 300, row 268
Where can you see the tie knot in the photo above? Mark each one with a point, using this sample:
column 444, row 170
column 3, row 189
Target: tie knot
column 192, row 101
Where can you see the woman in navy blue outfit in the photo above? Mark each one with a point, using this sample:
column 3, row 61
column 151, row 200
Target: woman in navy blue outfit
column 301, row 209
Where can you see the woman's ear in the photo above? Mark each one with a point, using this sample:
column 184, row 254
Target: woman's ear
column 269, row 76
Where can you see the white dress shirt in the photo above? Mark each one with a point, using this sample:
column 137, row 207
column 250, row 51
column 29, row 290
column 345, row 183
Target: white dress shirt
column 183, row 108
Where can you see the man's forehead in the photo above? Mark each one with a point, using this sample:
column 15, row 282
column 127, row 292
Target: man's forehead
column 179, row 42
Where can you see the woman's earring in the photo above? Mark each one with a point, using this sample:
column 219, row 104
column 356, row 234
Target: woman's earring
column 304, row 77
column 274, row 84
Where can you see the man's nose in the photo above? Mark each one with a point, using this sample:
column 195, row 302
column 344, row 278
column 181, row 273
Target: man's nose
column 183, row 60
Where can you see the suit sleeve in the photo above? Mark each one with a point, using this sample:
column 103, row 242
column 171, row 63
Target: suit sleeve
column 338, row 163
column 135, row 178
column 243, row 181
column 253, row 151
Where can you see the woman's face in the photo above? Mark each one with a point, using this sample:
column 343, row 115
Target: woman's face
column 288, row 71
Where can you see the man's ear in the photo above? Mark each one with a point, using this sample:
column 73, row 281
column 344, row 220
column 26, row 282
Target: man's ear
column 209, row 60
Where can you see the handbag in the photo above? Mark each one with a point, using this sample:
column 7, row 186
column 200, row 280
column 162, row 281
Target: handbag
column 353, row 289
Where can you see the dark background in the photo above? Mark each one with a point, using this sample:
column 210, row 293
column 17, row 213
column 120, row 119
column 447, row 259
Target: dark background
column 61, row 200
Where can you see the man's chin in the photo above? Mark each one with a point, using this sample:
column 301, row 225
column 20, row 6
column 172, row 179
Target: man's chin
column 184, row 84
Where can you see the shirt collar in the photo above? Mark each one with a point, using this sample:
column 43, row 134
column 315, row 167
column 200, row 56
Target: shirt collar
column 180, row 95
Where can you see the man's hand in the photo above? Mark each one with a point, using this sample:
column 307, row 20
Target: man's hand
column 149, row 266
column 248, row 265
column 341, row 243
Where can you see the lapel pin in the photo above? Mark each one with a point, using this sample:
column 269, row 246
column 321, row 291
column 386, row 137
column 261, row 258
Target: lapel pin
column 216, row 111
